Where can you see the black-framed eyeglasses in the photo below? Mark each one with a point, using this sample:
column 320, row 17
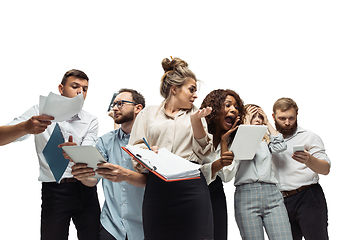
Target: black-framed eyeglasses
column 121, row 103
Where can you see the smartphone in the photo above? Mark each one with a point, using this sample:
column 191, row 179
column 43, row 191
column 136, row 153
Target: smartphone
column 298, row 148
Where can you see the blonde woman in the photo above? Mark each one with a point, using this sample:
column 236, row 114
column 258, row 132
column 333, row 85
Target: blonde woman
column 175, row 210
column 258, row 202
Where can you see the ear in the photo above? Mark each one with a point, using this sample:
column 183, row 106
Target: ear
column 273, row 115
column 173, row 90
column 138, row 108
column 61, row 89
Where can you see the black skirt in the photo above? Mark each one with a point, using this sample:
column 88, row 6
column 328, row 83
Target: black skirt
column 177, row 210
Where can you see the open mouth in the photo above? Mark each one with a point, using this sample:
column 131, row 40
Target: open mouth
column 230, row 120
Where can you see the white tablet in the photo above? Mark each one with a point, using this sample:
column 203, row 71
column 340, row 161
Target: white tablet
column 247, row 140
column 85, row 154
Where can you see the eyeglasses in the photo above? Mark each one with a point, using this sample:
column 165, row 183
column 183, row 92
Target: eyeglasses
column 121, row 103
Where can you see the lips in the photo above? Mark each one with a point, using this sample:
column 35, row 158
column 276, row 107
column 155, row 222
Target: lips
column 230, row 120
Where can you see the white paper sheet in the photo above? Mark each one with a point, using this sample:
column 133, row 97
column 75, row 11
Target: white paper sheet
column 60, row 107
column 247, row 141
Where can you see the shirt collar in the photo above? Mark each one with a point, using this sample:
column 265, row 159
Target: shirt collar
column 298, row 130
column 123, row 135
column 77, row 116
column 181, row 112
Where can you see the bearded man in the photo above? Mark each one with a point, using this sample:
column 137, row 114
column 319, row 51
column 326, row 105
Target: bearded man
column 121, row 216
column 298, row 174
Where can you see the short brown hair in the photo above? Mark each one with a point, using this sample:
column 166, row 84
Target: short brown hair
column 284, row 104
column 136, row 96
column 75, row 73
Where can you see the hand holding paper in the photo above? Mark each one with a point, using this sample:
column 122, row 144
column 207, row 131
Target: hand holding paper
column 38, row 124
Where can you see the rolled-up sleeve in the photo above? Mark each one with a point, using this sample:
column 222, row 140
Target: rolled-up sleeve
column 277, row 143
column 202, row 147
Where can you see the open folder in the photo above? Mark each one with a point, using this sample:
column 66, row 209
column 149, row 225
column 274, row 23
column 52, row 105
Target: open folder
column 85, row 154
column 164, row 164
column 247, row 140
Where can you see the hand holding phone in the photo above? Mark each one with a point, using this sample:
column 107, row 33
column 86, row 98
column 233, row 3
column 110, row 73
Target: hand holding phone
column 299, row 148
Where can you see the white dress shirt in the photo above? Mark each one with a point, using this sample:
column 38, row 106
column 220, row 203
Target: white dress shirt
column 83, row 127
column 292, row 174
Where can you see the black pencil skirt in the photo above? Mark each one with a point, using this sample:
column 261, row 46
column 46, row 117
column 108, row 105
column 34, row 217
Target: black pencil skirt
column 177, row 210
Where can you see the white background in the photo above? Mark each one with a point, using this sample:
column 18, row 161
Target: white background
column 306, row 50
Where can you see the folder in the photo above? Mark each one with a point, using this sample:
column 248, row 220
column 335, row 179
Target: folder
column 85, row 154
column 247, row 140
column 54, row 155
column 164, row 164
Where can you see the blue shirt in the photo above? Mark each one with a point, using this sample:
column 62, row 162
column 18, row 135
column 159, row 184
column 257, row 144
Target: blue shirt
column 122, row 210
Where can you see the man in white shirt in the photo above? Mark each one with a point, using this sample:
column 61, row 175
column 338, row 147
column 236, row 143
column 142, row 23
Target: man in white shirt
column 65, row 200
column 297, row 173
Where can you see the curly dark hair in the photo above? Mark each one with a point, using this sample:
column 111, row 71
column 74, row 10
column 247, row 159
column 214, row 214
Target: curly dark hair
column 215, row 99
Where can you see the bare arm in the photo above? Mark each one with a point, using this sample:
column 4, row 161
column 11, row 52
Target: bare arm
column 267, row 123
column 81, row 172
column 35, row 125
column 197, row 126
column 226, row 156
column 317, row 165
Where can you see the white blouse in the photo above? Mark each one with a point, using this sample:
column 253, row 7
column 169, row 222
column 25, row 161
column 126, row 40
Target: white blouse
column 172, row 132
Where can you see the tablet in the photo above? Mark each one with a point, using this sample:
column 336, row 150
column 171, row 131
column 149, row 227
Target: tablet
column 85, row 154
column 247, row 140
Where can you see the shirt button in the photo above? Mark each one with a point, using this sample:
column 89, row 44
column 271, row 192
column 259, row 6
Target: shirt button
column 123, row 189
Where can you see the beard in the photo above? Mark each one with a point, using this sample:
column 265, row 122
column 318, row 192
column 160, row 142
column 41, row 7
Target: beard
column 286, row 131
column 127, row 117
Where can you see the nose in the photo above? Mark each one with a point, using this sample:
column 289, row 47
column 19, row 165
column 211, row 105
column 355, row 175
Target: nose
column 287, row 122
column 195, row 95
column 233, row 109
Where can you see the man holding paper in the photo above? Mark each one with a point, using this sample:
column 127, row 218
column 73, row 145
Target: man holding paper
column 62, row 195
column 121, row 216
column 298, row 174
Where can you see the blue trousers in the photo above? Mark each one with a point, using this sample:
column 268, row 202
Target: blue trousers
column 258, row 206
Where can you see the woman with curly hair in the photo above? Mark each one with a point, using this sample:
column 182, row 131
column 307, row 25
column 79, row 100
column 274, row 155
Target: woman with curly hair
column 258, row 201
column 227, row 112
column 182, row 209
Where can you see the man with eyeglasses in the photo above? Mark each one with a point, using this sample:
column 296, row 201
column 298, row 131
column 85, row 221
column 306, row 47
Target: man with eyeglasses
column 121, row 216
column 63, row 200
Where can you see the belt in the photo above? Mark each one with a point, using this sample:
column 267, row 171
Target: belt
column 69, row 180
column 292, row 192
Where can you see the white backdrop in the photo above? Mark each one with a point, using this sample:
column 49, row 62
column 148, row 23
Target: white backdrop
column 306, row 50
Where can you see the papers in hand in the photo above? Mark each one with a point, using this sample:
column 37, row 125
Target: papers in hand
column 60, row 107
column 85, row 154
column 247, row 140
column 164, row 164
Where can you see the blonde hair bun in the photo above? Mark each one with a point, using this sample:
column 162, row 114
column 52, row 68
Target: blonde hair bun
column 174, row 63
